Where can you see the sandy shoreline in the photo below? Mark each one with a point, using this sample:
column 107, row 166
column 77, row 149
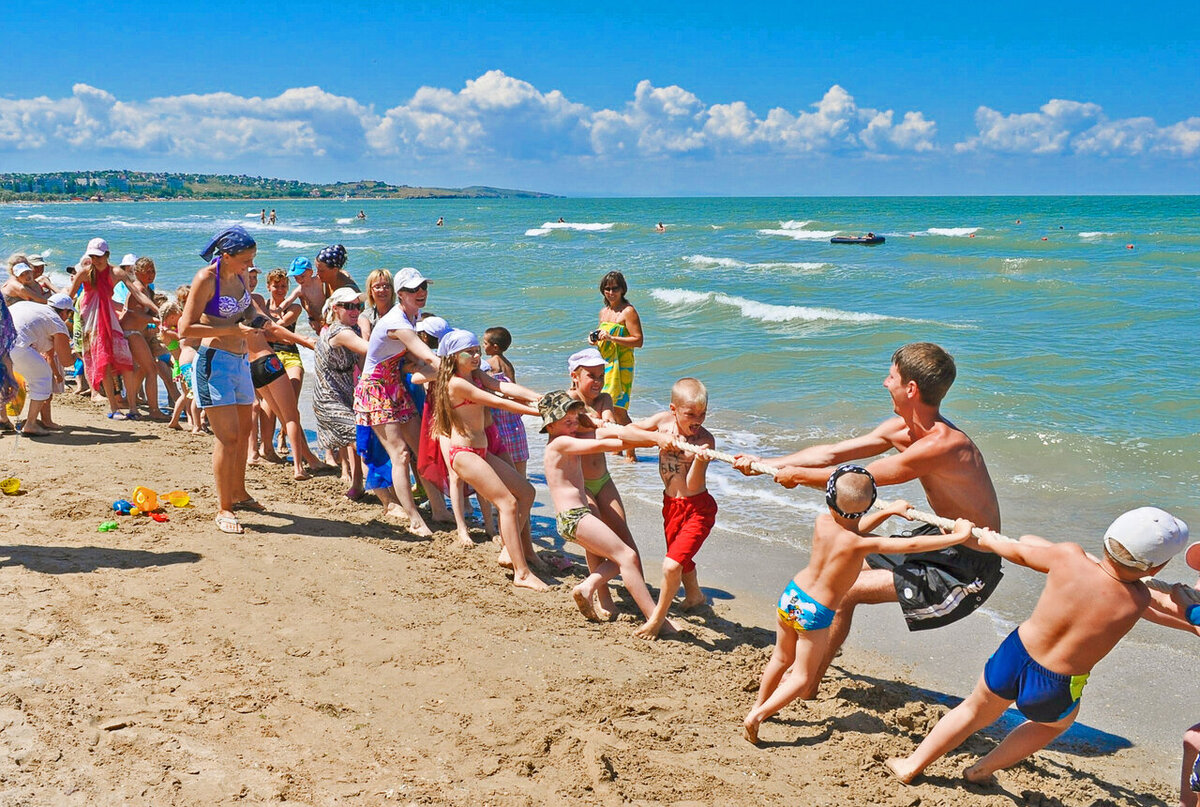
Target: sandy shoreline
column 325, row 657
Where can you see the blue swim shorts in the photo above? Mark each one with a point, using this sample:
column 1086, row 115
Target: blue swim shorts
column 801, row 611
column 221, row 378
column 1041, row 695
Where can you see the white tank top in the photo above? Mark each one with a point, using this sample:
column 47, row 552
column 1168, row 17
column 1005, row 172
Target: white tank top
column 382, row 347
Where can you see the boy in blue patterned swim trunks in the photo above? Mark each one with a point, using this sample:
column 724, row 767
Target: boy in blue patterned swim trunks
column 842, row 540
column 1086, row 607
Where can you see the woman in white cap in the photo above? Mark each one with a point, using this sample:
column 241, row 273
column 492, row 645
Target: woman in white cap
column 41, row 348
column 462, row 394
column 340, row 352
column 104, row 347
column 381, row 400
column 20, row 284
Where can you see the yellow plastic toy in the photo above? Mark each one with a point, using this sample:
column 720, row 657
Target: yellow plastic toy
column 178, row 498
column 10, row 486
column 145, row 499
column 15, row 406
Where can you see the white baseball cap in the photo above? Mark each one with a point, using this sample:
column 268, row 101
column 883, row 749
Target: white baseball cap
column 21, row 268
column 61, row 302
column 1150, row 535
column 97, row 246
column 588, row 357
column 344, row 295
column 408, row 278
column 129, row 260
column 434, row 326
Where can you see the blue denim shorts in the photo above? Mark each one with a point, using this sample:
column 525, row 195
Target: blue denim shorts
column 221, row 378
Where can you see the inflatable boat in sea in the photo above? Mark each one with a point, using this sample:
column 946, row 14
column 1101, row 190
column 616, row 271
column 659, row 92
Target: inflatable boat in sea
column 870, row 239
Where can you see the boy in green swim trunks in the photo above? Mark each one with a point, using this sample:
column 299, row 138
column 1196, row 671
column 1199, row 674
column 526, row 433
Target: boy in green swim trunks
column 842, row 540
column 586, row 368
column 563, row 417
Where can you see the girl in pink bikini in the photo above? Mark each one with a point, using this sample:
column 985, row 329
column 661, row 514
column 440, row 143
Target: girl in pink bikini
column 462, row 394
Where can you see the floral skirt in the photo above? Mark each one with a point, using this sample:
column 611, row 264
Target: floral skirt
column 382, row 398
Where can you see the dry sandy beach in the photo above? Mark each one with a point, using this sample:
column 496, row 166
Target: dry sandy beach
column 326, row 657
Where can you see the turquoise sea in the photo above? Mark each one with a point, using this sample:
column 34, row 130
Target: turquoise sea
column 1074, row 321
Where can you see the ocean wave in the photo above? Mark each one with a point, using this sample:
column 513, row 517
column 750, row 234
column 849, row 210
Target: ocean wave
column 538, row 231
column 252, row 216
column 793, row 225
column 345, row 220
column 732, row 263
column 39, row 217
column 581, row 226
column 1096, row 235
column 768, row 312
column 284, row 243
column 953, row 232
column 801, row 235
column 353, row 230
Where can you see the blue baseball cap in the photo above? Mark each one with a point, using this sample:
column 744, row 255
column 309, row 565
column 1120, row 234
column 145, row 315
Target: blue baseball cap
column 299, row 267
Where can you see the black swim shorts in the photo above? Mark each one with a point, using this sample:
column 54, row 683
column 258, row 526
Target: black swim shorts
column 266, row 369
column 939, row 587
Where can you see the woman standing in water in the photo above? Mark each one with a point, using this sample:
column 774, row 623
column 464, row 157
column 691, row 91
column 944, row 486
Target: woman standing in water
column 620, row 332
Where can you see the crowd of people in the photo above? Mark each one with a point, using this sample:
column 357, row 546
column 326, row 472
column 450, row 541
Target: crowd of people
column 418, row 411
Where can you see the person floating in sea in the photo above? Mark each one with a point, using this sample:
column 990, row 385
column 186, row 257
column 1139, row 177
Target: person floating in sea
column 933, row 588
column 689, row 510
column 1086, row 607
column 841, row 539
column 441, row 221
column 660, row 228
column 561, row 220
column 362, row 215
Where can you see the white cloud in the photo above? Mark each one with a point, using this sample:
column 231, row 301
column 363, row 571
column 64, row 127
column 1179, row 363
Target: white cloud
column 498, row 117
column 494, row 115
column 1072, row 127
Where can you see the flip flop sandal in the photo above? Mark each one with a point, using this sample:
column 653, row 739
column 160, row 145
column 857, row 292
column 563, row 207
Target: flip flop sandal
column 229, row 524
column 250, row 504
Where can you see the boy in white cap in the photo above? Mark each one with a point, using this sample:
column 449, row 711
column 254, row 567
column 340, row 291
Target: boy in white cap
column 1086, row 607
column 586, row 368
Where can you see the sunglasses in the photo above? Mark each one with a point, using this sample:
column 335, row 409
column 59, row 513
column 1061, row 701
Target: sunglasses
column 420, row 288
column 352, row 306
column 611, row 288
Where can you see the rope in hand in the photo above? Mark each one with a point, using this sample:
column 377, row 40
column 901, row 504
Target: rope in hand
column 913, row 514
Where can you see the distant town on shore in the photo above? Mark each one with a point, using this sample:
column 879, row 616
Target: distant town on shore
column 125, row 186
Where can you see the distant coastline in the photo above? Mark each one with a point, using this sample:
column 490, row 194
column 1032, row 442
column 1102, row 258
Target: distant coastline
column 132, row 186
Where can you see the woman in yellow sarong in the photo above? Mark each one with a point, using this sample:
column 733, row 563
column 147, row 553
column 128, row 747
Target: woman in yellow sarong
column 619, row 333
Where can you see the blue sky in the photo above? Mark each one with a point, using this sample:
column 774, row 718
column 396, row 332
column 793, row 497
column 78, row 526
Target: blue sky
column 616, row 98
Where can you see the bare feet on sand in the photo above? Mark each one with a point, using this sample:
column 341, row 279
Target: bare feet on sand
column 978, row 777
column 583, row 601
column 464, row 539
column 503, row 559
column 902, row 769
column 536, row 563
column 652, row 631
column 528, row 580
column 690, row 604
column 750, row 730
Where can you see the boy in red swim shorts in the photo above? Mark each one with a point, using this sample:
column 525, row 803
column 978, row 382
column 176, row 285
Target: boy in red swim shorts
column 689, row 511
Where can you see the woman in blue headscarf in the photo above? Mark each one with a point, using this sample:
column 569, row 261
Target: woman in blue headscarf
column 220, row 312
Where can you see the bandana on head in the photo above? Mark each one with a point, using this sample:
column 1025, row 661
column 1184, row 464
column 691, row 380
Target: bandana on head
column 233, row 240
column 831, row 489
column 334, row 256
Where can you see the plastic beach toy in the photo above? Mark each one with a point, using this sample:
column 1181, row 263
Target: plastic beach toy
column 108, row 526
column 178, row 498
column 159, row 517
column 122, row 506
column 15, row 406
column 145, row 499
column 10, row 486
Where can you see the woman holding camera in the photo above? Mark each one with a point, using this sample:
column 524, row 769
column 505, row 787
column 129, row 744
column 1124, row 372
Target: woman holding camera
column 620, row 332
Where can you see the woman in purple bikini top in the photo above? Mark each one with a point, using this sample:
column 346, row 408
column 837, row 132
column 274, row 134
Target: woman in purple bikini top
column 224, row 306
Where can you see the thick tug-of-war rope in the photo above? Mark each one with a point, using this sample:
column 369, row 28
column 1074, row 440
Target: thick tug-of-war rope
column 913, row 513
